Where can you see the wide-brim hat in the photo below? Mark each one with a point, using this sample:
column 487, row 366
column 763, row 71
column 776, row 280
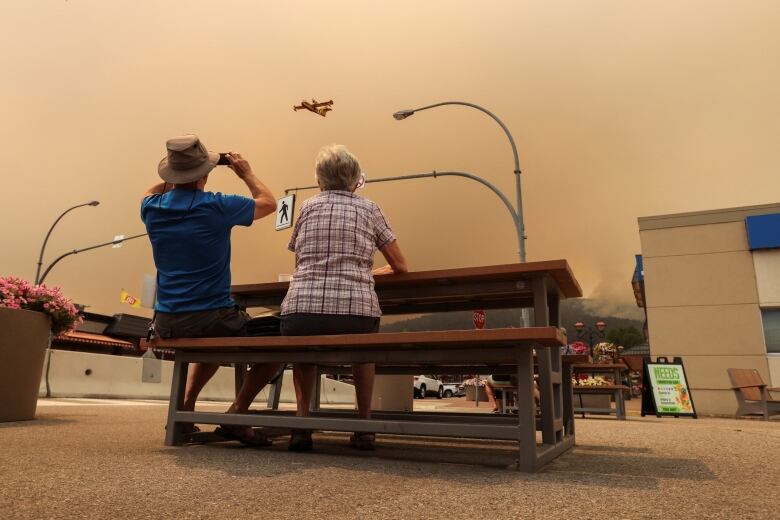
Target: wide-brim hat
column 187, row 160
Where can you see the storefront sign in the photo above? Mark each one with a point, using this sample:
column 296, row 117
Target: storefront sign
column 666, row 389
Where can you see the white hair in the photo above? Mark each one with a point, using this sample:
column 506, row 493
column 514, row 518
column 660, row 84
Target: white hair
column 336, row 168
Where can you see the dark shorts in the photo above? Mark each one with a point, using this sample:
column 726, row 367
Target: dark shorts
column 230, row 321
column 301, row 324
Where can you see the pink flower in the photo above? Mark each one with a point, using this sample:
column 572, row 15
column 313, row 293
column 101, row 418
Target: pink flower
column 16, row 293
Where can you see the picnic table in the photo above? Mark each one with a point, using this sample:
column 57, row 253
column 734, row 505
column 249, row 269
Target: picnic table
column 613, row 390
column 537, row 285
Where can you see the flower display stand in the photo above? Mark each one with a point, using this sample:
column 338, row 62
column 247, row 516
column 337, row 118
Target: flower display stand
column 24, row 337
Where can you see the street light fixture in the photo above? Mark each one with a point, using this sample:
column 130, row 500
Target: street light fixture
column 45, row 240
column 598, row 332
column 403, row 114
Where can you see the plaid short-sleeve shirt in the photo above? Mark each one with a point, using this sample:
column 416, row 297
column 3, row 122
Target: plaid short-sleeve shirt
column 334, row 241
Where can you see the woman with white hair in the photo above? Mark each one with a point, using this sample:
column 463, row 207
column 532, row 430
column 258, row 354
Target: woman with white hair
column 332, row 290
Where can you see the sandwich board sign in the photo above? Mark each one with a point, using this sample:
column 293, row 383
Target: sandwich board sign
column 665, row 389
column 284, row 212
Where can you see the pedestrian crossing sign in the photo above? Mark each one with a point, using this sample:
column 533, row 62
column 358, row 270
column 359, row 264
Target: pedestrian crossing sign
column 284, row 212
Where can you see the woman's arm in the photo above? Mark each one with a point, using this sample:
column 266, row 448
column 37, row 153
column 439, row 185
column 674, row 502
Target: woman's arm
column 395, row 258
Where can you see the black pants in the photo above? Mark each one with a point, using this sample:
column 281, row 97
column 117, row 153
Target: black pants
column 302, row 324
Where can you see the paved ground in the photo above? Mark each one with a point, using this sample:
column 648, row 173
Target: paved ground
column 105, row 459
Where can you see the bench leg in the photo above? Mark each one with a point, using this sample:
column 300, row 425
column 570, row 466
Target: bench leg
column 239, row 370
column 620, row 405
column 547, row 397
column 173, row 431
column 275, row 391
column 568, row 399
column 316, row 394
column 526, row 412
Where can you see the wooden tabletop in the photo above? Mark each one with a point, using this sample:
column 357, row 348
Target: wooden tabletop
column 487, row 287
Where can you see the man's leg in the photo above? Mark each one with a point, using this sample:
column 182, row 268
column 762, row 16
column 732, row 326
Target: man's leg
column 255, row 380
column 199, row 376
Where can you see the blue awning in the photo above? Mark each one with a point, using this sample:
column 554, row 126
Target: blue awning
column 763, row 231
column 638, row 282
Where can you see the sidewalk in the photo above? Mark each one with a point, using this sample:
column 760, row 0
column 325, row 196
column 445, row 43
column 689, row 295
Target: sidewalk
column 106, row 459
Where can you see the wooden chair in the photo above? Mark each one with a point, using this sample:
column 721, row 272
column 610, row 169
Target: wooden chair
column 753, row 396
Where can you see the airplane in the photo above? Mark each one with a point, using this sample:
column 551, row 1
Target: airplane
column 318, row 108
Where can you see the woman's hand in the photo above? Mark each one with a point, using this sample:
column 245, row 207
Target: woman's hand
column 379, row 271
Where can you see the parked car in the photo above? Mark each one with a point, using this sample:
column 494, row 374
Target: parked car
column 454, row 390
column 428, row 385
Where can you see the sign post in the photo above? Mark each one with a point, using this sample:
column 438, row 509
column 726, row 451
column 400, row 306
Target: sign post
column 479, row 320
column 284, row 212
column 665, row 389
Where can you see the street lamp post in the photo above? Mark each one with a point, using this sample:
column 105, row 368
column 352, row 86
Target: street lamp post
column 114, row 242
column 403, row 114
column 598, row 332
column 38, row 279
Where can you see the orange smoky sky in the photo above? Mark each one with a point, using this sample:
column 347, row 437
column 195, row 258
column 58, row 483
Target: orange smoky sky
column 619, row 110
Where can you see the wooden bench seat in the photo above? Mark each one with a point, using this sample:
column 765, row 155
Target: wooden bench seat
column 458, row 351
column 541, row 336
column 753, row 395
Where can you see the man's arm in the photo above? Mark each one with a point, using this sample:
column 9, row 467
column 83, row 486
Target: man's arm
column 155, row 190
column 265, row 202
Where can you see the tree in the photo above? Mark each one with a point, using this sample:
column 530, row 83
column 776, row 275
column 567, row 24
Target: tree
column 625, row 336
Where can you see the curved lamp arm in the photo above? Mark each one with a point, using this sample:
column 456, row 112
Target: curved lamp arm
column 77, row 251
column 403, row 114
column 45, row 240
column 516, row 219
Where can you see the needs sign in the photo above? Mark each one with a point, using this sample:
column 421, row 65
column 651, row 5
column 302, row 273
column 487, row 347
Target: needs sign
column 666, row 389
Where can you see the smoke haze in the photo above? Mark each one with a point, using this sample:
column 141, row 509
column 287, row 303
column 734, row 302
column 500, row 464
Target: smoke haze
column 619, row 110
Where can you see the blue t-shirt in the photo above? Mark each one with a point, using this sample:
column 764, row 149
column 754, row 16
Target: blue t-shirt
column 190, row 235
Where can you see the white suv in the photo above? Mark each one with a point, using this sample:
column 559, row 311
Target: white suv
column 428, row 385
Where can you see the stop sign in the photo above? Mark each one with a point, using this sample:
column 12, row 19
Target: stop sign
column 479, row 319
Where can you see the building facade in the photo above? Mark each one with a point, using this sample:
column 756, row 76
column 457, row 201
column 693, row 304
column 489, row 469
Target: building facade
column 712, row 294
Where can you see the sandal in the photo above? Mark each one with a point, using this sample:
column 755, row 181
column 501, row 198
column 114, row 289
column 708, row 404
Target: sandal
column 187, row 429
column 239, row 433
column 300, row 440
column 363, row 441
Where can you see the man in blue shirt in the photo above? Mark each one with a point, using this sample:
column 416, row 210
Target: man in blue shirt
column 189, row 229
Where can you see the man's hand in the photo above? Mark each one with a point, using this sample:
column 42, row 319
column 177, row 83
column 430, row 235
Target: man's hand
column 239, row 165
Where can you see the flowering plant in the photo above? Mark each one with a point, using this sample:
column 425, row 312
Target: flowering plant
column 578, row 348
column 606, row 351
column 590, row 381
column 16, row 293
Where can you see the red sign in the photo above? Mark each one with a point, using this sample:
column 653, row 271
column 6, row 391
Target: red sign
column 479, row 319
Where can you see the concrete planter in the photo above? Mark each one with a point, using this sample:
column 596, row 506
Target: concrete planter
column 471, row 394
column 24, row 336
